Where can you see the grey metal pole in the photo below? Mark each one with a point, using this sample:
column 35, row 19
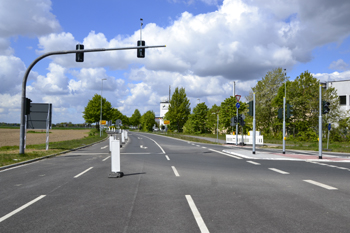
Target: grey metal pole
column 320, row 126
column 101, row 107
column 254, row 135
column 25, row 78
column 217, row 127
column 284, row 125
column 237, row 129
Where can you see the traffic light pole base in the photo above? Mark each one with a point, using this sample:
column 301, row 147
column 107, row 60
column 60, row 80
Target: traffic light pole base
column 253, row 152
column 283, row 152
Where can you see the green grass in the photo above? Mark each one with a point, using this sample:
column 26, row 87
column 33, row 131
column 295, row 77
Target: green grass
column 9, row 154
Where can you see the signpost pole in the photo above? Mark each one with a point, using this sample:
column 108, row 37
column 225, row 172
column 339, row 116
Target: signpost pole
column 320, row 125
column 284, row 125
column 254, row 123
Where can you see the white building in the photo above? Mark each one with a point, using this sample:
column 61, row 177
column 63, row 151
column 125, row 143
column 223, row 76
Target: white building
column 343, row 90
column 164, row 107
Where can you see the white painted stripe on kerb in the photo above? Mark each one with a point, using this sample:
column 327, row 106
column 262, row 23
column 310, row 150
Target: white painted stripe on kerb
column 106, row 158
column 83, row 172
column 175, row 171
column 200, row 222
column 279, row 171
column 225, row 154
column 320, row 184
column 21, row 208
column 167, row 157
column 252, row 162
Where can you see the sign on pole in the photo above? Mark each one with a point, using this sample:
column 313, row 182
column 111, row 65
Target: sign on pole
column 238, row 105
column 166, row 122
column 238, row 97
column 329, row 126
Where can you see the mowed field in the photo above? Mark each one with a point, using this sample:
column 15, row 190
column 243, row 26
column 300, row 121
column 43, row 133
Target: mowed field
column 10, row 137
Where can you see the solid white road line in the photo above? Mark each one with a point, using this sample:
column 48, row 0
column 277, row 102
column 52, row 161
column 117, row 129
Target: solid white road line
column 175, row 171
column 279, row 171
column 104, row 147
column 21, row 208
column 167, row 157
column 106, row 158
column 83, row 172
column 204, row 147
column 156, row 144
column 225, row 154
column 320, row 184
column 201, row 224
column 252, row 162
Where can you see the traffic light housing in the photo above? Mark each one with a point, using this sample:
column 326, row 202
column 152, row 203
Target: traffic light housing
column 141, row 52
column 251, row 108
column 325, row 107
column 240, row 119
column 280, row 113
column 79, row 57
column 289, row 111
column 235, row 120
column 27, row 106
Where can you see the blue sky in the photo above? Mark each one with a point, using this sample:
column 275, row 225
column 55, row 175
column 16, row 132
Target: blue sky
column 210, row 44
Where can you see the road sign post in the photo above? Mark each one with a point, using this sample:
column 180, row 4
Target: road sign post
column 238, row 97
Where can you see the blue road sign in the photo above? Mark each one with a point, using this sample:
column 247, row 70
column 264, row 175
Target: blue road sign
column 329, row 126
column 238, row 105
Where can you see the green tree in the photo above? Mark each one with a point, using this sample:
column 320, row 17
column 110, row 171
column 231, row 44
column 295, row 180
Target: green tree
column 199, row 117
column 212, row 118
column 135, row 119
column 303, row 95
column 265, row 91
column 93, row 110
column 179, row 109
column 148, row 120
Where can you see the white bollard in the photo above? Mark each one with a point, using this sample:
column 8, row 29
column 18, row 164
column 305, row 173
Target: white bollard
column 111, row 138
column 123, row 136
column 115, row 160
column 126, row 135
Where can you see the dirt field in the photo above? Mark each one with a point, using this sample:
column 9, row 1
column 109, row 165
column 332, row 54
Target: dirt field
column 10, row 137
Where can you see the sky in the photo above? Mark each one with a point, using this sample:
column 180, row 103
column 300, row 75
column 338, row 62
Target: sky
column 209, row 45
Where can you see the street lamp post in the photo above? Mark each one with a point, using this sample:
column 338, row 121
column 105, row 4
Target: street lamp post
column 101, row 107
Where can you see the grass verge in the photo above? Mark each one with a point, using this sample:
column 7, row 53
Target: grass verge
column 9, row 154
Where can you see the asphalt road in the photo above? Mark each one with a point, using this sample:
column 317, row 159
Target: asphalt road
column 172, row 185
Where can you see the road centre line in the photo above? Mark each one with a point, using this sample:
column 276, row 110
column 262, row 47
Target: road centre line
column 83, row 172
column 200, row 222
column 167, row 157
column 204, row 147
column 104, row 147
column 21, row 208
column 106, row 158
column 252, row 162
column 279, row 171
column 320, row 184
column 175, row 171
column 226, row 154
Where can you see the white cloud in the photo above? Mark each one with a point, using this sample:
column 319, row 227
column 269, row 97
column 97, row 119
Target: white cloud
column 335, row 76
column 30, row 17
column 11, row 75
column 339, row 65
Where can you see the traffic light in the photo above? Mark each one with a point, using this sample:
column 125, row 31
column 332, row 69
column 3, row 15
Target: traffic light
column 251, row 108
column 141, row 52
column 240, row 119
column 289, row 111
column 325, row 107
column 235, row 120
column 27, row 106
column 79, row 57
column 280, row 113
